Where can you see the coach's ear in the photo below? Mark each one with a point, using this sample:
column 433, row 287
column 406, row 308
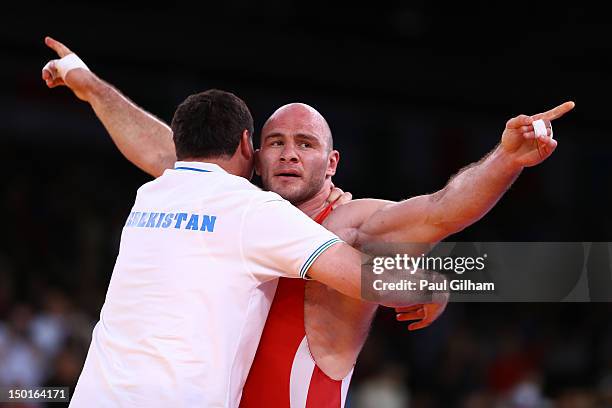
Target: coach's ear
column 257, row 163
column 246, row 146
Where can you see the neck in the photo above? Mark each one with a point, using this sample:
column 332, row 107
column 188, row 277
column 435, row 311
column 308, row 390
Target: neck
column 318, row 202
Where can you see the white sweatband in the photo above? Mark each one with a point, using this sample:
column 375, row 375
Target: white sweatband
column 539, row 127
column 66, row 64
column 551, row 131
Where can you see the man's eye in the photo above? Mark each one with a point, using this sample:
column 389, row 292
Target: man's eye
column 276, row 143
column 305, row 145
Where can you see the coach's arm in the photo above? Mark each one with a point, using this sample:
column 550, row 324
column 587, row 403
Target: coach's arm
column 340, row 268
column 143, row 139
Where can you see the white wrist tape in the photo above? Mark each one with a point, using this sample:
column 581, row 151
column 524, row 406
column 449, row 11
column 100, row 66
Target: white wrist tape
column 539, row 127
column 66, row 64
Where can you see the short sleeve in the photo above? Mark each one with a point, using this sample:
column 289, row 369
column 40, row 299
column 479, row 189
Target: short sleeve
column 278, row 240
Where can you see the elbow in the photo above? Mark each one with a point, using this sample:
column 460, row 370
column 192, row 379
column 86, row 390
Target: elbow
column 158, row 162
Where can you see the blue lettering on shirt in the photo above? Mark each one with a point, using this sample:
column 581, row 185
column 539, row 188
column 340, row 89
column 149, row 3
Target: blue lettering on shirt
column 193, row 222
column 152, row 219
column 165, row 220
column 168, row 220
column 130, row 219
column 180, row 217
column 143, row 219
column 135, row 219
column 208, row 223
column 161, row 218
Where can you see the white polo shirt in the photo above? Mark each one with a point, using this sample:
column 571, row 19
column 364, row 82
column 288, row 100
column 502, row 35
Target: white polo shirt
column 191, row 290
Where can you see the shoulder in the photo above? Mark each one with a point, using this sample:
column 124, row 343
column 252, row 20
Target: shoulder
column 268, row 204
column 263, row 197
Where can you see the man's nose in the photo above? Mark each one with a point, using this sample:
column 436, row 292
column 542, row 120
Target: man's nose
column 289, row 155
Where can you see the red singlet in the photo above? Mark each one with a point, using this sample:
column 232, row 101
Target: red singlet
column 284, row 374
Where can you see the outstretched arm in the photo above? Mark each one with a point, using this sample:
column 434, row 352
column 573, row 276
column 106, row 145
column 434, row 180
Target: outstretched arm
column 467, row 197
column 470, row 194
column 142, row 138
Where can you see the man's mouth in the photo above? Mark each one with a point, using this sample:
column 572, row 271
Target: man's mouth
column 288, row 175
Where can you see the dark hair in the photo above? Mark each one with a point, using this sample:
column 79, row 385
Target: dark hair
column 210, row 124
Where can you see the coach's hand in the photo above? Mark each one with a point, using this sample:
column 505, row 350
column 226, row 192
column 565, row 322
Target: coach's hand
column 78, row 79
column 337, row 197
column 519, row 140
column 426, row 313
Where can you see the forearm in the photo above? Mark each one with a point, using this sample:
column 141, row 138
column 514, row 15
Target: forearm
column 142, row 138
column 340, row 268
column 470, row 194
column 467, row 197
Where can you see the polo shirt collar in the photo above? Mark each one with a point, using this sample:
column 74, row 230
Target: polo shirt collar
column 198, row 166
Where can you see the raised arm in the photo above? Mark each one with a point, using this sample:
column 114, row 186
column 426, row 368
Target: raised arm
column 469, row 195
column 142, row 138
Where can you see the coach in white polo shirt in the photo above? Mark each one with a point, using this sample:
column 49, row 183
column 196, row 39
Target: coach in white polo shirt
column 196, row 271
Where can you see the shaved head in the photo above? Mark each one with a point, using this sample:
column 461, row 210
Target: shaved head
column 303, row 114
column 296, row 158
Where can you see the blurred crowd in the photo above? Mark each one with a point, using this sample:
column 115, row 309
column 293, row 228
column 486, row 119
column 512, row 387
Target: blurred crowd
column 491, row 355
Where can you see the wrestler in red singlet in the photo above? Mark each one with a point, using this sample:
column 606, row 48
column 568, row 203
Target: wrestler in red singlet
column 284, row 374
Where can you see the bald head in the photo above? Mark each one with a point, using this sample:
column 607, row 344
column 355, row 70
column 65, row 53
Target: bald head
column 296, row 158
column 300, row 117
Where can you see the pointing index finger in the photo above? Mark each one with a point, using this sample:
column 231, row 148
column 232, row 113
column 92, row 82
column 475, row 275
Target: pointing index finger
column 556, row 112
column 57, row 46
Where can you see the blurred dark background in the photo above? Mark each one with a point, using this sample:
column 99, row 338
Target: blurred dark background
column 413, row 91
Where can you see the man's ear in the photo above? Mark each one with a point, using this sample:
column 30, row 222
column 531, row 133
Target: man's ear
column 332, row 162
column 257, row 164
column 246, row 145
